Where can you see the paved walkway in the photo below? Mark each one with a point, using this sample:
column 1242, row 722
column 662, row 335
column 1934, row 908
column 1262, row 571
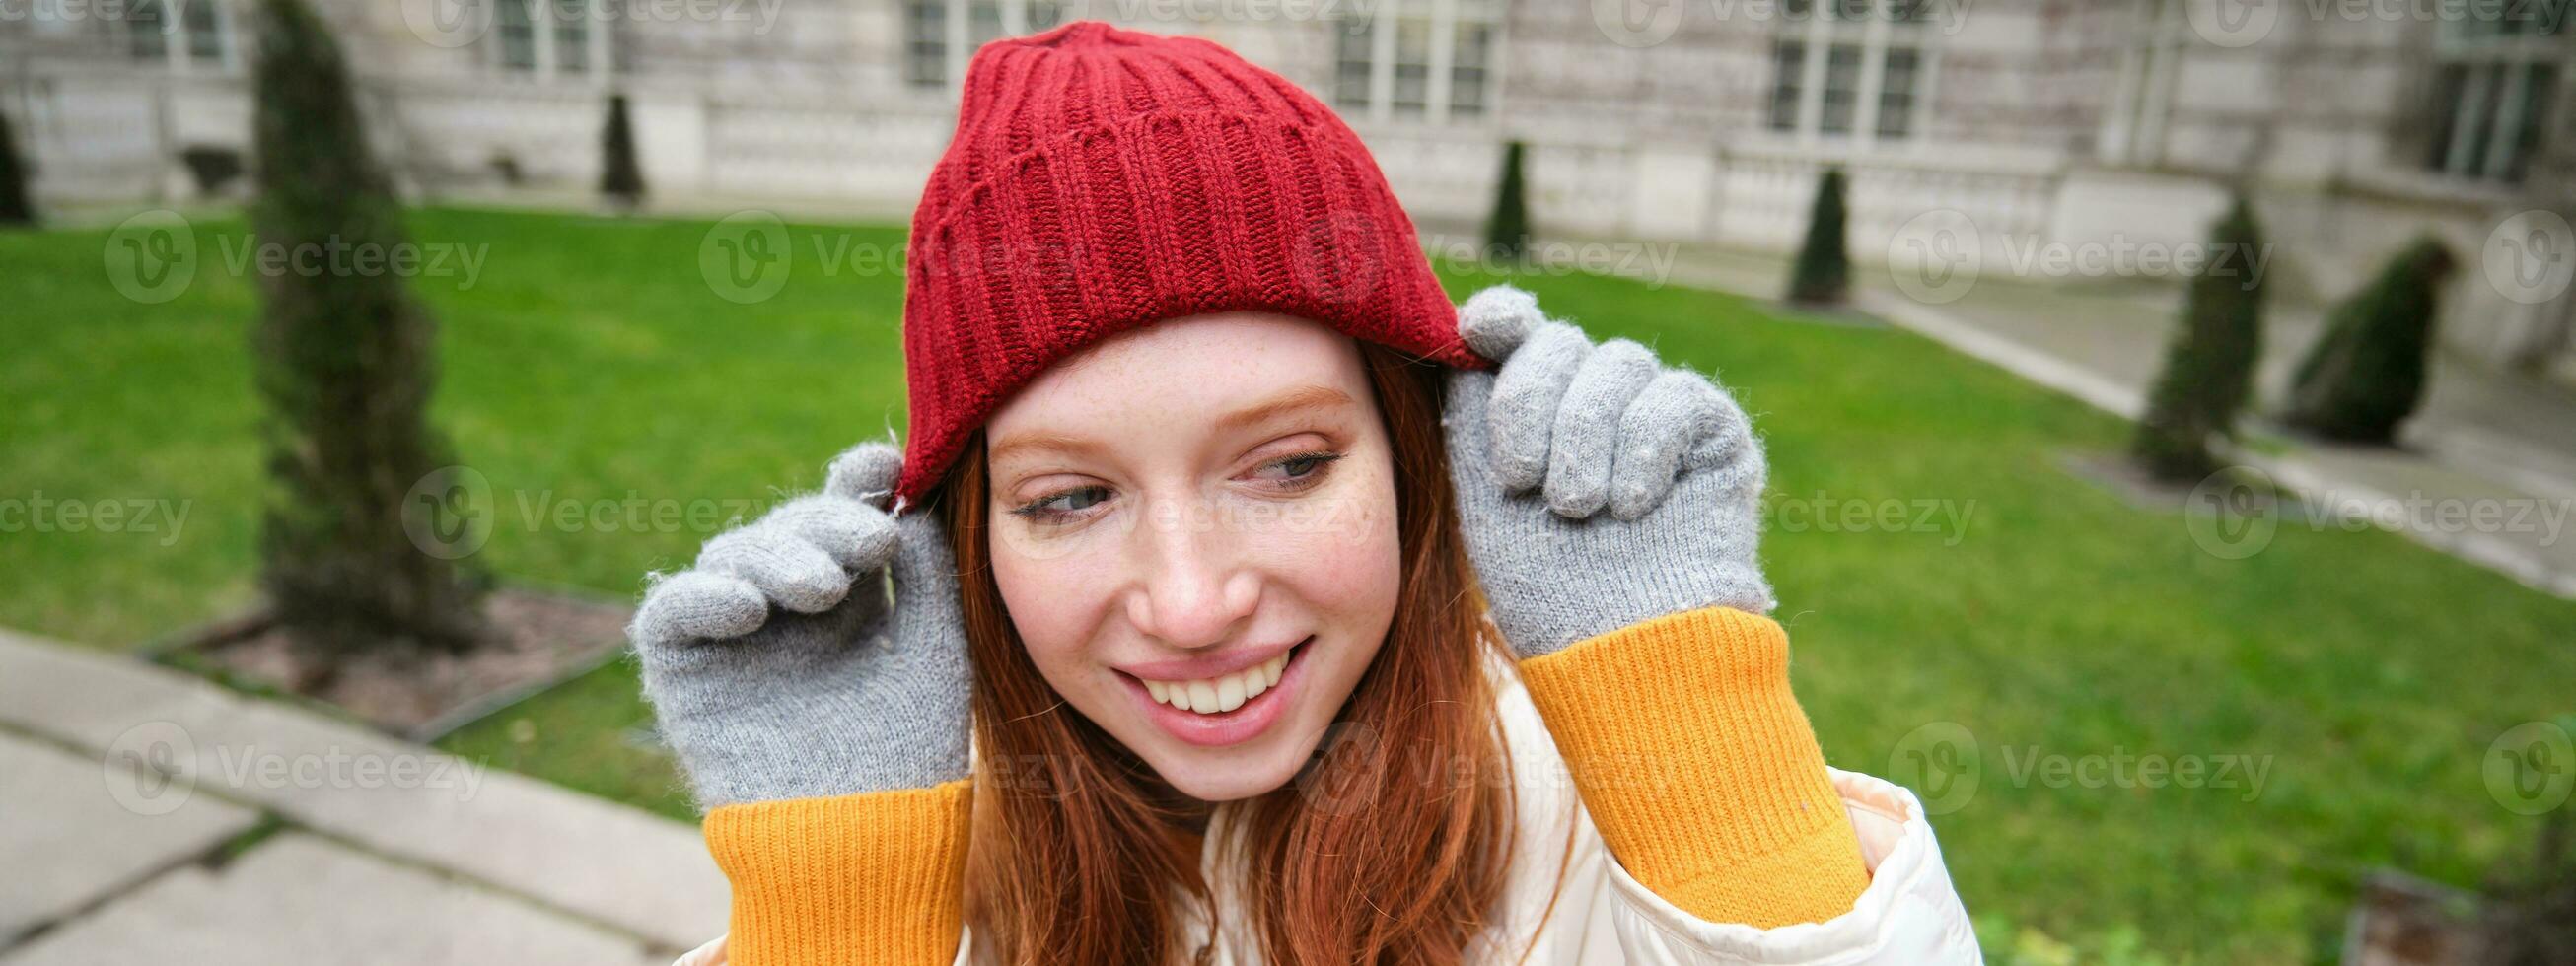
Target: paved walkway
column 152, row 817
column 2486, row 470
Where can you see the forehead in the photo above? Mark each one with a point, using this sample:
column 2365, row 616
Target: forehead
column 1199, row 366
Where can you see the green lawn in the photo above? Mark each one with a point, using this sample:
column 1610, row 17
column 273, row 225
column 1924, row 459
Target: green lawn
column 591, row 362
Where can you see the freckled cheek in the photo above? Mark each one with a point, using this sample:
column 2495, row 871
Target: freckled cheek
column 1054, row 602
column 1345, row 559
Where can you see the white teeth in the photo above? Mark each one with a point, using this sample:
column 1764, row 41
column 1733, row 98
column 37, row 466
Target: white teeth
column 1221, row 694
column 1203, row 696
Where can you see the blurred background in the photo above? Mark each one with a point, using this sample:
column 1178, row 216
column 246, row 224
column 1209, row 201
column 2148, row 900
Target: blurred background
column 2172, row 406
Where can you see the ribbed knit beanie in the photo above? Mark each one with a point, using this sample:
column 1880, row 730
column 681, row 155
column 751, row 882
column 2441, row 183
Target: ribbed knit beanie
column 1103, row 179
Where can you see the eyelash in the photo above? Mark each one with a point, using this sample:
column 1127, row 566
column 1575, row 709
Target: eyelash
column 1036, row 511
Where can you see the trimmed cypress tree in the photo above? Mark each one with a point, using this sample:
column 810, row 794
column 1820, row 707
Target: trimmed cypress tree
column 2209, row 367
column 1507, row 232
column 345, row 361
column 15, row 207
column 621, row 180
column 2367, row 371
column 1822, row 274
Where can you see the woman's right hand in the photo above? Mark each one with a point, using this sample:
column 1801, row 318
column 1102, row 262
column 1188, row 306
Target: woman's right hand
column 780, row 666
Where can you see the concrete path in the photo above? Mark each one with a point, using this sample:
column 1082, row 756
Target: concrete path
column 2486, row 470
column 154, row 817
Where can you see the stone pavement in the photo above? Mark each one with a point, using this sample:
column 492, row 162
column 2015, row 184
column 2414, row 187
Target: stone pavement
column 2484, row 441
column 154, row 817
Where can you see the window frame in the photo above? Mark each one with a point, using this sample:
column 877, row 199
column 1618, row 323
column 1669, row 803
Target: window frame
column 546, row 41
column 1868, row 30
column 957, row 38
column 1445, row 25
column 2475, row 112
column 177, row 48
column 2141, row 108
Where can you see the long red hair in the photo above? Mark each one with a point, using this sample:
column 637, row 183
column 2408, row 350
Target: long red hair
column 1390, row 847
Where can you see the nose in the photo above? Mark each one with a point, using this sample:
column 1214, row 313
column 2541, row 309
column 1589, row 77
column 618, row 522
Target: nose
column 1194, row 590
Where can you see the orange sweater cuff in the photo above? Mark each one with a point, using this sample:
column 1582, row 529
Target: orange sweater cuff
column 870, row 878
column 1700, row 769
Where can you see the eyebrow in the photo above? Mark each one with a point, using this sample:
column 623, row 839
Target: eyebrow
column 1301, row 399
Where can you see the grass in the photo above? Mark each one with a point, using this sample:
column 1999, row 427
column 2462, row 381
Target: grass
column 1936, row 566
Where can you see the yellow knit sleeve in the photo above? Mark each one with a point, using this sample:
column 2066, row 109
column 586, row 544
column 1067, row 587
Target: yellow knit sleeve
column 870, row 878
column 1700, row 768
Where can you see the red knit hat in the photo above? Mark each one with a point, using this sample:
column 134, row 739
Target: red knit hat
column 1103, row 179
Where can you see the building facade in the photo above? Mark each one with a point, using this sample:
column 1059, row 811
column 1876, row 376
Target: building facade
column 1993, row 127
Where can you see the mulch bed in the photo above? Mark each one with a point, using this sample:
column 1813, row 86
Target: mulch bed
column 543, row 639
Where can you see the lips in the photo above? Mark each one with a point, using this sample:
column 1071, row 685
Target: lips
column 1241, row 701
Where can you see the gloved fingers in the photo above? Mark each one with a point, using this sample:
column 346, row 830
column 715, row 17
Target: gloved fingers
column 1729, row 450
column 788, row 571
column 696, row 605
column 855, row 535
column 1677, row 410
column 1585, row 444
column 924, row 571
column 1527, row 394
column 1496, row 321
column 866, row 473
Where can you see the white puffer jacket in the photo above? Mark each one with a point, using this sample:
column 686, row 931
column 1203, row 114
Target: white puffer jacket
column 1908, row 915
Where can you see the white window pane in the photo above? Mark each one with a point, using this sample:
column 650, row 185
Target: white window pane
column 143, row 31
column 1842, row 88
column 1412, row 66
column 515, row 29
column 1896, row 93
column 1467, row 69
column 1788, row 66
column 1351, row 62
column 925, row 43
column 572, row 35
column 983, row 23
column 205, row 31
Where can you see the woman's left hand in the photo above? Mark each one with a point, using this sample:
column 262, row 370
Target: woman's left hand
column 1567, row 430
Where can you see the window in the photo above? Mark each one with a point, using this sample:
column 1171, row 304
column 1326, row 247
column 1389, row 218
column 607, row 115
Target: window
column 940, row 35
column 1423, row 60
column 2494, row 85
column 195, row 33
column 1857, row 70
column 551, row 38
column 2133, row 129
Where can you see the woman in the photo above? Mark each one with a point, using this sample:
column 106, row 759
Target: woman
column 1285, row 632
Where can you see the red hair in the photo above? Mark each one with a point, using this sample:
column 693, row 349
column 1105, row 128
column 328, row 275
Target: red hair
column 1391, row 846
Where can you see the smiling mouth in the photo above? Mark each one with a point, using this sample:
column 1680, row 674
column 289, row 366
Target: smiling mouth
column 1224, row 693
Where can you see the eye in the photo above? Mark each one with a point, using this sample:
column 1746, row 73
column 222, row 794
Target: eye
column 1299, row 471
column 1061, row 506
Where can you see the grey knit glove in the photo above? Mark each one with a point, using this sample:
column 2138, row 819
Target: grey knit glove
column 780, row 668
column 1567, row 430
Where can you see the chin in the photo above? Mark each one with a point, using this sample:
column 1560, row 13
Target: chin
column 1233, row 774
